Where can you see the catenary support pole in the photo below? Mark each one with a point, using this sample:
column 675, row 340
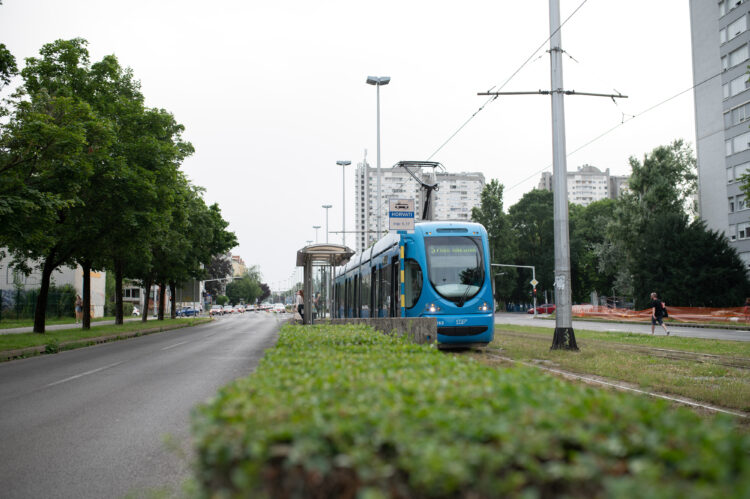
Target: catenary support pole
column 564, row 337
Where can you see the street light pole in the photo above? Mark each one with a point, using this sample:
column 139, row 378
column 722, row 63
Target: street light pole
column 316, row 227
column 378, row 81
column 343, row 199
column 327, row 206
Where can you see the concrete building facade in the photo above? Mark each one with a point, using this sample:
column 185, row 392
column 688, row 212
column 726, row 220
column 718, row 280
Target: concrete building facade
column 458, row 193
column 720, row 46
column 588, row 184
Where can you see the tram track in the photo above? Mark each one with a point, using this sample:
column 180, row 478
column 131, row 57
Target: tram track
column 665, row 353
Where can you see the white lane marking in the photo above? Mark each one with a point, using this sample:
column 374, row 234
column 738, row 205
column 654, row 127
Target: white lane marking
column 176, row 345
column 85, row 374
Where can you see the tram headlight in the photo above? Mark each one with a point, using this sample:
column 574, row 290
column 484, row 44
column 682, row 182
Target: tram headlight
column 431, row 307
column 484, row 307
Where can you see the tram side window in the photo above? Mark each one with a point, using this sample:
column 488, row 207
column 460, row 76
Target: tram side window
column 413, row 282
column 396, row 287
column 355, row 303
column 384, row 298
column 375, row 310
column 365, row 296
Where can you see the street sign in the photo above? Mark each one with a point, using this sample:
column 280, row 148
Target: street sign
column 534, row 282
column 401, row 215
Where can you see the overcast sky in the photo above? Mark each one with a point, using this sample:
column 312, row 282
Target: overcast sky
column 273, row 93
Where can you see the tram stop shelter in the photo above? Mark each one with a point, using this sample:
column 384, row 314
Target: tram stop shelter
column 319, row 255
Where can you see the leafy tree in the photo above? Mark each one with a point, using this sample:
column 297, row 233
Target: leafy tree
column 532, row 224
column 657, row 247
column 50, row 148
column 219, row 268
column 503, row 246
column 265, row 292
column 587, row 230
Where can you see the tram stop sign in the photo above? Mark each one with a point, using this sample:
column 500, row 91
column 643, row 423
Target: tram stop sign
column 401, row 215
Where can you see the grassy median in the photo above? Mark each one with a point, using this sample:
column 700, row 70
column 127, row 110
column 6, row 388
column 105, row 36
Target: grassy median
column 345, row 411
column 712, row 371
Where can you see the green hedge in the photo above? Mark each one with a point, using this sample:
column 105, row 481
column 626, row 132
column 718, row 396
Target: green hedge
column 346, row 411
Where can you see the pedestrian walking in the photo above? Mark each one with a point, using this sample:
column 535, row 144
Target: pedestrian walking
column 657, row 313
column 79, row 309
column 301, row 304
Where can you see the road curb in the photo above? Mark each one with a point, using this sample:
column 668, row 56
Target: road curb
column 51, row 348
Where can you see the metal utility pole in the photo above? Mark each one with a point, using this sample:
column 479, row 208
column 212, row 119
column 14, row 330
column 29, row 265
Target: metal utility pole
column 564, row 336
column 343, row 199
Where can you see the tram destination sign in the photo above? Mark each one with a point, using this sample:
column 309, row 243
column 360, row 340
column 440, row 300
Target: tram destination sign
column 401, row 215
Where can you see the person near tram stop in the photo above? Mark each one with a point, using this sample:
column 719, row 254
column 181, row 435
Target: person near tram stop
column 657, row 313
column 79, row 308
column 301, row 304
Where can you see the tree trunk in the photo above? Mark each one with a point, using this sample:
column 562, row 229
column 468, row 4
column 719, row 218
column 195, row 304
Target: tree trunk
column 118, row 292
column 41, row 299
column 144, row 315
column 173, row 304
column 162, row 296
column 86, row 294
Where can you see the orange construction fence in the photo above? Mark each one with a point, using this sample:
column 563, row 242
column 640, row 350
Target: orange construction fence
column 731, row 315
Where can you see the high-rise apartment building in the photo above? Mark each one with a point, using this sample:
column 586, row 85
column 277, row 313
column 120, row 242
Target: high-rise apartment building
column 457, row 194
column 588, row 184
column 720, row 37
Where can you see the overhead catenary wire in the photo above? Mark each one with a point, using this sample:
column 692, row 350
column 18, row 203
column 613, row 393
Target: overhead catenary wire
column 625, row 119
column 533, row 54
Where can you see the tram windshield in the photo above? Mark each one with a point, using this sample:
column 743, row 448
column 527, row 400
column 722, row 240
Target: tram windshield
column 455, row 266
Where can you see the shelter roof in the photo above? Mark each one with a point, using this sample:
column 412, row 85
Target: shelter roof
column 324, row 254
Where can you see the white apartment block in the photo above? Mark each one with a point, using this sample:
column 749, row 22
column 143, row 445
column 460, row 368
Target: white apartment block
column 588, row 184
column 457, row 194
column 721, row 54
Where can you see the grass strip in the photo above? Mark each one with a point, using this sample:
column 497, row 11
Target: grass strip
column 58, row 337
column 344, row 411
column 706, row 381
column 15, row 323
column 701, row 345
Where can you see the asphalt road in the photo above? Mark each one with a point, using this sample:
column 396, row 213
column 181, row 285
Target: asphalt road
column 94, row 422
column 674, row 329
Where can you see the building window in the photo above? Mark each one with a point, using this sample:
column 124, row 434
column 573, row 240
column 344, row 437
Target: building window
column 738, row 56
column 730, row 175
column 743, row 231
column 725, row 90
column 741, row 203
column 722, row 8
column 732, row 232
column 740, row 170
column 728, row 148
column 731, row 205
column 739, row 143
column 723, row 36
column 738, row 85
column 737, row 27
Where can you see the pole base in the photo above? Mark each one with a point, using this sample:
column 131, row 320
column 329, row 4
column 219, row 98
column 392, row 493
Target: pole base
column 564, row 339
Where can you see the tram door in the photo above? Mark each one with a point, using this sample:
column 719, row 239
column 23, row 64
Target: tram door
column 395, row 308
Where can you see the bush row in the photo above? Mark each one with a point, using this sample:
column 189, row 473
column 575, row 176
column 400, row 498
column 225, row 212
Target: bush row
column 344, row 411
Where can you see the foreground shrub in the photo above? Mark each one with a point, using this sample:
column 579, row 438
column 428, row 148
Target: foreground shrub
column 346, row 411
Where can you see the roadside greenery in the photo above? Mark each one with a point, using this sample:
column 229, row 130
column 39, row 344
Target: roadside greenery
column 721, row 377
column 90, row 176
column 346, row 411
column 647, row 240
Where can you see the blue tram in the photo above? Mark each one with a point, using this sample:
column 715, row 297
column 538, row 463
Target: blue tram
column 440, row 270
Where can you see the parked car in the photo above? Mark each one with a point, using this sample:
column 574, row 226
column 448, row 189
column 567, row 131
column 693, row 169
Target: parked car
column 228, row 309
column 547, row 308
column 279, row 308
column 187, row 312
column 216, row 310
column 240, row 309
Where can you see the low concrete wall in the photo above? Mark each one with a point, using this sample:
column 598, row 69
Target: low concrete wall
column 420, row 330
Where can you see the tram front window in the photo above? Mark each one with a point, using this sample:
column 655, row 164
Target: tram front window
column 455, row 266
